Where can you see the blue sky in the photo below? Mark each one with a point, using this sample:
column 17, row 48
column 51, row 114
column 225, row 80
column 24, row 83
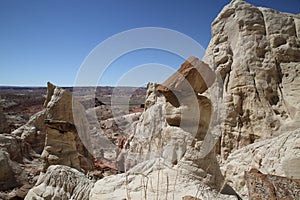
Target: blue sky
column 47, row 40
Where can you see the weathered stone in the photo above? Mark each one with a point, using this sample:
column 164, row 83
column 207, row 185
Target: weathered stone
column 193, row 77
column 278, row 156
column 45, row 131
column 61, row 182
column 63, row 147
column 256, row 51
column 22, row 191
column 266, row 186
column 176, row 134
column 33, row 132
column 4, row 128
column 193, row 73
column 193, row 115
column 153, row 179
column 190, row 198
column 14, row 146
column 7, row 175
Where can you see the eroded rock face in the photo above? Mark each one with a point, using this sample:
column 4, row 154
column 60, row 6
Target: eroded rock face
column 63, row 146
column 278, row 156
column 174, row 126
column 65, row 143
column 175, row 114
column 7, row 175
column 13, row 146
column 153, row 180
column 146, row 135
column 163, row 129
column 257, row 53
column 265, row 186
column 61, row 182
column 44, row 132
column 14, row 155
column 33, row 132
column 193, row 77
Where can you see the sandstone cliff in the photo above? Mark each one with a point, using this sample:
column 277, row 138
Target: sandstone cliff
column 257, row 53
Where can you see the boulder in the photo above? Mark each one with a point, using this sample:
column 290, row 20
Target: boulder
column 7, row 175
column 266, row 186
column 278, row 156
column 193, row 77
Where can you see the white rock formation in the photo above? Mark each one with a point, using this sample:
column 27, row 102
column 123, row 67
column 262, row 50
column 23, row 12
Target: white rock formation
column 49, row 140
column 257, row 53
column 153, row 180
column 61, row 182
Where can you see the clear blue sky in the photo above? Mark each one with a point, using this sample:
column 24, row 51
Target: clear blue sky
column 47, row 40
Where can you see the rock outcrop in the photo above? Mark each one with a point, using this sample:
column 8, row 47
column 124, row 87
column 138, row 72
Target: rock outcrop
column 265, row 186
column 14, row 156
column 66, row 138
column 33, row 132
column 64, row 147
column 175, row 113
column 4, row 128
column 257, row 53
column 50, row 132
column 52, row 135
column 174, row 127
column 153, row 180
column 7, row 175
column 61, row 182
column 278, row 156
